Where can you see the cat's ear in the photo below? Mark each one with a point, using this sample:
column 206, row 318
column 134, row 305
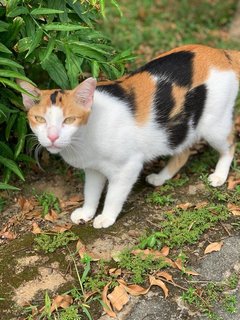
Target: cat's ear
column 29, row 101
column 83, row 93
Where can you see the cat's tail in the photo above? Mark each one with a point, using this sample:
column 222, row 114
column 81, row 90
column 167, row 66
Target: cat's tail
column 234, row 59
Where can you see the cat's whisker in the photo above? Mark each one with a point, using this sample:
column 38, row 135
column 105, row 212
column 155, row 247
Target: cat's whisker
column 36, row 155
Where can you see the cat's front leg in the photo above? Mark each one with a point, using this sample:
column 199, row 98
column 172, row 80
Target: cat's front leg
column 118, row 189
column 94, row 184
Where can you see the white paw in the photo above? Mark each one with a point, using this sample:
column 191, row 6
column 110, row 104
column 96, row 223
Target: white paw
column 81, row 215
column 215, row 180
column 155, row 180
column 103, row 221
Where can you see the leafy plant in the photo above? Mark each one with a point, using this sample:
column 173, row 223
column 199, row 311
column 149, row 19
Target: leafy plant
column 48, row 201
column 53, row 43
column 158, row 199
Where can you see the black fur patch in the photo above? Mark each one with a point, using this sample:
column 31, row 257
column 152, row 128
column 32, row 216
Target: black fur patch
column 117, row 91
column 194, row 103
column 177, row 131
column 53, row 96
column 193, row 108
column 163, row 102
column 176, row 67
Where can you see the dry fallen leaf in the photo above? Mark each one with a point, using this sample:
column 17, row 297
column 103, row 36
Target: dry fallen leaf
column 36, row 229
column 165, row 251
column 232, row 182
column 61, row 301
column 61, row 228
column 185, row 206
column 118, row 297
column 115, row 271
column 51, row 216
column 235, row 210
column 180, row 266
column 165, row 275
column 133, row 289
column 159, row 283
column 106, row 303
column 201, row 204
column 215, row 246
column 25, row 204
column 82, row 251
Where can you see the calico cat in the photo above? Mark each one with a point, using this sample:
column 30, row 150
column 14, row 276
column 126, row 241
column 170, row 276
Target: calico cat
column 110, row 129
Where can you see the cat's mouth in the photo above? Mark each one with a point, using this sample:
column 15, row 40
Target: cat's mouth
column 54, row 149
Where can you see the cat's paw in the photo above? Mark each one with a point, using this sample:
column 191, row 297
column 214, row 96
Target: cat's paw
column 215, row 180
column 103, row 221
column 155, row 180
column 81, row 215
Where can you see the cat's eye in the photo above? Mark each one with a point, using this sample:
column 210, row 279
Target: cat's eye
column 40, row 119
column 69, row 120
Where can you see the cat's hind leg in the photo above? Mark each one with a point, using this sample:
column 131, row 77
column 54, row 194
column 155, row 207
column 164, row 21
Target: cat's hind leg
column 226, row 148
column 172, row 167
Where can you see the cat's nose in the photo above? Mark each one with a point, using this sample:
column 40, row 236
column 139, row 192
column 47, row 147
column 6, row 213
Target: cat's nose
column 53, row 137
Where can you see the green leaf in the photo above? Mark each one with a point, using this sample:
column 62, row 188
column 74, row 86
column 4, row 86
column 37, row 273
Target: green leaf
column 17, row 12
column 5, row 150
column 56, row 71
column 56, row 26
column 79, row 9
column 114, row 2
column 21, row 133
column 11, row 165
column 10, row 63
column 13, row 74
column 102, row 8
column 36, row 39
column 73, row 66
column 47, row 52
column 3, row 48
column 10, row 124
column 95, row 69
column 42, row 11
column 5, row 186
column 23, row 44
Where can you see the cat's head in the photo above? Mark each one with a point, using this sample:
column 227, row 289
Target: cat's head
column 55, row 115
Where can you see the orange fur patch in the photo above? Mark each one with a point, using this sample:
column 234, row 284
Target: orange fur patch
column 179, row 94
column 177, row 162
column 143, row 86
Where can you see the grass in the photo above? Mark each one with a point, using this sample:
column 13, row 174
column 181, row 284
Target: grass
column 51, row 242
column 148, row 27
column 207, row 296
column 140, row 266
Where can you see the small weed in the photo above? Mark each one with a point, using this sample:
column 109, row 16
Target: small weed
column 139, row 266
column 230, row 303
column 50, row 243
column 99, row 278
column 158, row 199
column 186, row 227
column 155, row 240
column 205, row 298
column 178, row 182
column 48, row 201
column 232, row 281
column 71, row 313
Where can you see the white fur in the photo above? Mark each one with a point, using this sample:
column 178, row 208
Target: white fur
column 113, row 147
